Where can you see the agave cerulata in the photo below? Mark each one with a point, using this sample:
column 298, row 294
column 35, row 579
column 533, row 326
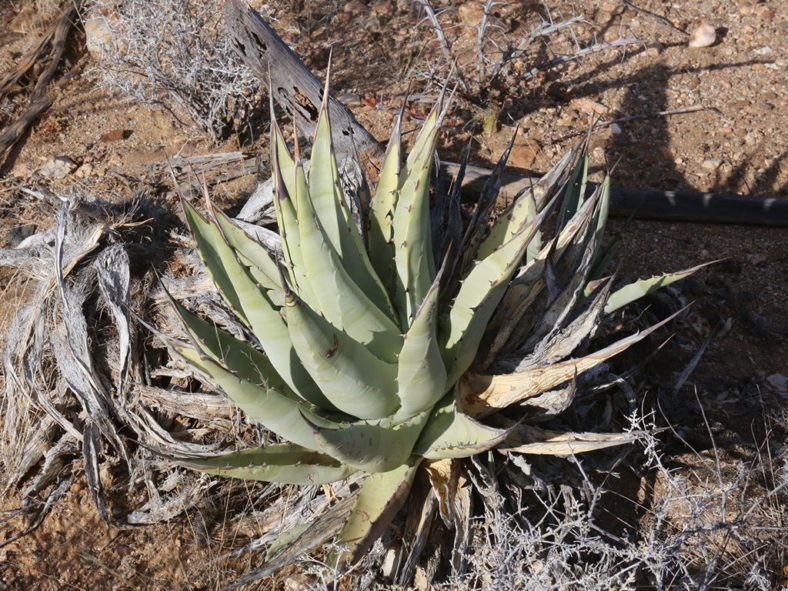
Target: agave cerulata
column 381, row 334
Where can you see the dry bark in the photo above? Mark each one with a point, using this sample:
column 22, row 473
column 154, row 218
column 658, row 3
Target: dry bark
column 38, row 99
column 293, row 85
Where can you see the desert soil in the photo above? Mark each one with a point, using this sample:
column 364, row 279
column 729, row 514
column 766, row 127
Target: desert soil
column 736, row 144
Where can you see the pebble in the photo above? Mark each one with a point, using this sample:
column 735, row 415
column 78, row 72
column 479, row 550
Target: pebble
column 355, row 7
column 98, row 35
column 523, row 154
column 470, row 14
column 84, row 171
column 116, row 135
column 58, row 167
column 765, row 13
column 16, row 234
column 703, row 36
column 383, row 8
column 20, row 171
column 298, row 583
column 590, row 106
column 780, row 383
column 711, row 164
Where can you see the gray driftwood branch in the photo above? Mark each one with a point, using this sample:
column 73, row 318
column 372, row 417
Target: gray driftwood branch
column 300, row 92
column 293, row 85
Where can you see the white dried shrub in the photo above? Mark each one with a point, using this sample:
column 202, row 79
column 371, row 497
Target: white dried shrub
column 711, row 525
column 176, row 54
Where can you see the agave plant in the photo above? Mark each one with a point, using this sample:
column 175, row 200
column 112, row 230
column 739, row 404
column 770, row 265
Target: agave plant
column 383, row 330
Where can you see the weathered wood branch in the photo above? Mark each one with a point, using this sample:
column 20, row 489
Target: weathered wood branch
column 299, row 91
column 292, row 84
column 38, row 99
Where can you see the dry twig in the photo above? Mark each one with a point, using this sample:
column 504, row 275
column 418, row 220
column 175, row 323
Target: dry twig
column 38, row 99
column 661, row 21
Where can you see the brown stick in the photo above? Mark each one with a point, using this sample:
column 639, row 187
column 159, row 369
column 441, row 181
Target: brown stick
column 660, row 20
column 38, row 100
column 8, row 82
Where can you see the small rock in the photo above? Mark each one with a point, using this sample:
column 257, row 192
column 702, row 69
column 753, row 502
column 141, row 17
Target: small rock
column 16, row 234
column 470, row 14
column 116, row 135
column 114, row 159
column 590, row 106
column 20, row 171
column 780, row 384
column 84, row 171
column 567, row 119
column 298, row 582
column 615, row 129
column 387, row 568
column 711, row 164
column 98, row 35
column 355, row 7
column 420, row 579
column 58, row 167
column 703, row 36
column 383, row 8
column 765, row 13
column 524, row 153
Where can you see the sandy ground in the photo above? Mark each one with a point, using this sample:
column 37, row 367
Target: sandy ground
column 737, row 143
